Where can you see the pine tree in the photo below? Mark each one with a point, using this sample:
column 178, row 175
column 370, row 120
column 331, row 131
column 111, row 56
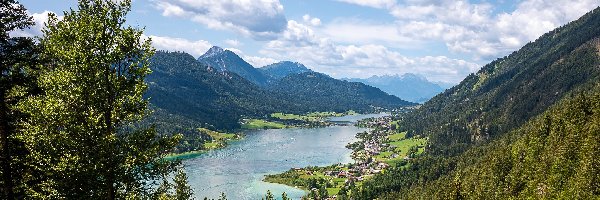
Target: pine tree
column 92, row 88
column 17, row 58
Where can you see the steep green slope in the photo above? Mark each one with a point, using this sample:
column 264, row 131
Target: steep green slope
column 553, row 156
column 183, row 89
column 181, row 85
column 509, row 91
column 485, row 134
column 320, row 92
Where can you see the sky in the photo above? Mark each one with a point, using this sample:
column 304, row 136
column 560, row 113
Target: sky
column 441, row 40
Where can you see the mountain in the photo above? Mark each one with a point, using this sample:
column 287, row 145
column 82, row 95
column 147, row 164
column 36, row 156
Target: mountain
column 320, row 92
column 181, row 85
column 283, row 69
column 183, row 89
column 524, row 126
column 225, row 60
column 409, row 86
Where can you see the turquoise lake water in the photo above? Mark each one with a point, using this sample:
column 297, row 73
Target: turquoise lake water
column 239, row 168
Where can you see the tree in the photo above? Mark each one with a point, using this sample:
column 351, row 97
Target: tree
column 17, row 56
column 78, row 134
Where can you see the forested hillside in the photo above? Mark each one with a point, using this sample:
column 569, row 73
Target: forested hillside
column 553, row 156
column 180, row 87
column 509, row 91
column 318, row 91
column 495, row 136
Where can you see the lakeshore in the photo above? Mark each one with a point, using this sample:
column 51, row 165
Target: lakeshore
column 378, row 148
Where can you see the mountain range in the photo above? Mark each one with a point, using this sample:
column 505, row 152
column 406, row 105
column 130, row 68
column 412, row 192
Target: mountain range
column 410, row 87
column 220, row 88
column 524, row 126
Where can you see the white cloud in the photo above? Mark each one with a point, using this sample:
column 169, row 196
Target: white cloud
column 233, row 43
column 311, row 20
column 352, row 31
column 257, row 61
column 262, row 19
column 36, row 30
column 372, row 3
column 194, row 48
column 300, row 43
column 475, row 29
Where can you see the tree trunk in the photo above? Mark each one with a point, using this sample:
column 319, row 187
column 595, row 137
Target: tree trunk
column 6, row 157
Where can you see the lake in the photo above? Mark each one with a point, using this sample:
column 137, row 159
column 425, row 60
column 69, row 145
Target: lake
column 239, row 168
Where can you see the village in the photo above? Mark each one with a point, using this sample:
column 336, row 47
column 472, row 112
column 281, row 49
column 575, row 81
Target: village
column 377, row 149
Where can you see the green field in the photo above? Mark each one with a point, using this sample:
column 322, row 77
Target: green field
column 218, row 135
column 401, row 147
column 262, row 124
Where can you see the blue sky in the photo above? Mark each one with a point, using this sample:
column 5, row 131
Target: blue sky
column 442, row 40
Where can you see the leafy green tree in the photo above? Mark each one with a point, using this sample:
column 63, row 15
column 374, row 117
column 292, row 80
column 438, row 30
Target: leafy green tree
column 17, row 58
column 92, row 90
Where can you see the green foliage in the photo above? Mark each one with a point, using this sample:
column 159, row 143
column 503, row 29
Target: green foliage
column 501, row 134
column 509, row 91
column 261, row 124
column 18, row 57
column 91, row 87
column 553, row 156
column 183, row 88
column 319, row 92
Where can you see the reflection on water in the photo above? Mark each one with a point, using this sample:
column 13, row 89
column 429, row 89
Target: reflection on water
column 239, row 168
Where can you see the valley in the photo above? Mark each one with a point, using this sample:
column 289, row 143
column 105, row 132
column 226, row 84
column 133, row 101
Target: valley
column 344, row 100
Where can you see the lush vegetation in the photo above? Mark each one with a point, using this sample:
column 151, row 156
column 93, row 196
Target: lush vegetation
column 319, row 92
column 524, row 126
column 377, row 149
column 68, row 104
column 181, row 88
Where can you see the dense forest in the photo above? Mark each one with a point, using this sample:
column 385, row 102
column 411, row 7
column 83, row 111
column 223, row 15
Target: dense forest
column 523, row 126
column 181, row 85
column 318, row 92
column 67, row 99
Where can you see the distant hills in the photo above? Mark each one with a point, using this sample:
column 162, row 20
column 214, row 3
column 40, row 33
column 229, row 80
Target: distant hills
column 283, row 69
column 409, row 86
column 318, row 91
column 524, row 126
column 220, row 88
